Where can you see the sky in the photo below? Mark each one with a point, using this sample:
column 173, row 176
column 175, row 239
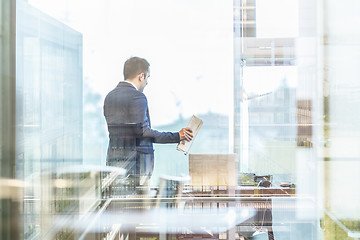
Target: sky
column 277, row 18
column 188, row 43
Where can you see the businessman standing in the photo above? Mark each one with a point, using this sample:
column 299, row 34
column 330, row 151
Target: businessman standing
column 131, row 137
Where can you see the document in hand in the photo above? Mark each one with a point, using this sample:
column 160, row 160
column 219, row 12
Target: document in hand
column 194, row 124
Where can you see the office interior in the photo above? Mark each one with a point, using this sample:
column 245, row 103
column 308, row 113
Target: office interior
column 276, row 83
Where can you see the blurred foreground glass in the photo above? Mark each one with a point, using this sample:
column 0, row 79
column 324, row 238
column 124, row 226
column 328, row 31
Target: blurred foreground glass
column 293, row 122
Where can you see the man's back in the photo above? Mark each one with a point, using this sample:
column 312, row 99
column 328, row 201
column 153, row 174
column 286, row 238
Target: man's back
column 128, row 148
column 122, row 105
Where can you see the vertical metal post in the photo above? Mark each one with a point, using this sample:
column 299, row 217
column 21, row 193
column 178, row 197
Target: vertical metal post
column 10, row 203
column 238, row 81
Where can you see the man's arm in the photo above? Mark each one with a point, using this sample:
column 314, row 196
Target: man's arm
column 139, row 111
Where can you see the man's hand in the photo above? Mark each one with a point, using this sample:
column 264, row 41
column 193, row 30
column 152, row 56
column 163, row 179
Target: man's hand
column 186, row 134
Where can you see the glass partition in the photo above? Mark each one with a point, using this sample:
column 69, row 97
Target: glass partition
column 341, row 130
column 275, row 83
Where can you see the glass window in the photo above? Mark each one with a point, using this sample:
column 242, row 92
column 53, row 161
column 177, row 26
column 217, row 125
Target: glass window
column 275, row 83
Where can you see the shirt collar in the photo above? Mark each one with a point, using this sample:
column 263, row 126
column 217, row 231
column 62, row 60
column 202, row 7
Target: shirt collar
column 131, row 84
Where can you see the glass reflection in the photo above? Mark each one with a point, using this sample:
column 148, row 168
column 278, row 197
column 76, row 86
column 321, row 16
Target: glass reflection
column 49, row 115
column 276, row 158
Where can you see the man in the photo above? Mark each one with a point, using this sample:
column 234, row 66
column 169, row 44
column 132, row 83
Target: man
column 127, row 116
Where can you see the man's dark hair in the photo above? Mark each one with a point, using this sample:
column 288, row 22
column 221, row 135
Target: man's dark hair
column 134, row 66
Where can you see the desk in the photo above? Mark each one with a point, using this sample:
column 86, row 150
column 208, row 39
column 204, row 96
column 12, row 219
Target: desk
column 240, row 191
column 259, row 198
column 261, row 218
column 198, row 212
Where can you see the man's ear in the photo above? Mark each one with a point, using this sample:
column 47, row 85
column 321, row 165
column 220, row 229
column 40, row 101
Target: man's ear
column 142, row 76
column 139, row 77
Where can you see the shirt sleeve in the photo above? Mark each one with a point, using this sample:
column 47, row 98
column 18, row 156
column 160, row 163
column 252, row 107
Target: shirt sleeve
column 139, row 111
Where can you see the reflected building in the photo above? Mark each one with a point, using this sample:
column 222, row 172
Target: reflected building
column 273, row 132
column 49, row 92
column 251, row 52
column 48, row 113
